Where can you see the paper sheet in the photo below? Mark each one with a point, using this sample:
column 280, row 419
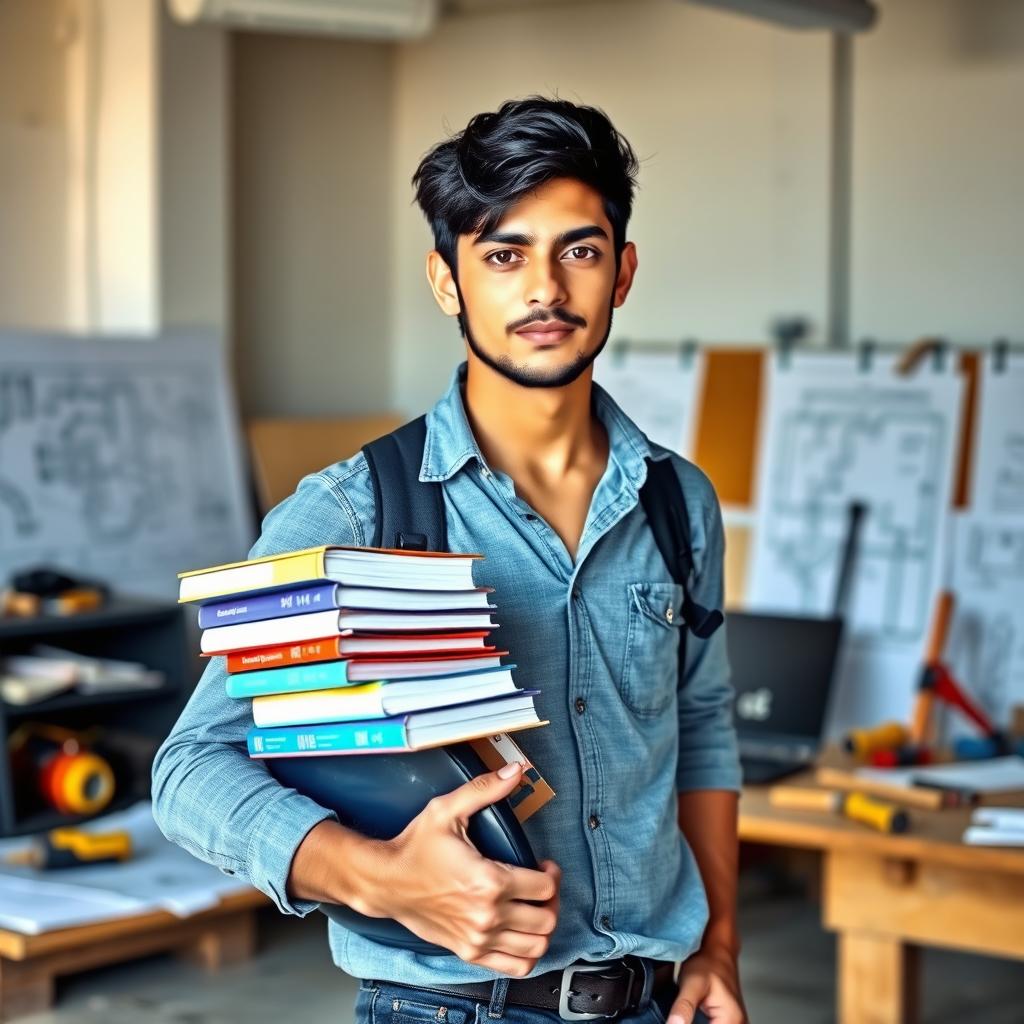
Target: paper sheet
column 833, row 432
column 986, row 645
column 994, row 775
column 160, row 876
column 657, row 390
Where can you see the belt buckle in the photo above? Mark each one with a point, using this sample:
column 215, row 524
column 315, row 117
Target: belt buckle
column 563, row 993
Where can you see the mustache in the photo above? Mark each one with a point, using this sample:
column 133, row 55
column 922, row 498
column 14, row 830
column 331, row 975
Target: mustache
column 542, row 316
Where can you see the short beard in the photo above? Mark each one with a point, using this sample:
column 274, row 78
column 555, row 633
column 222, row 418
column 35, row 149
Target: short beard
column 524, row 376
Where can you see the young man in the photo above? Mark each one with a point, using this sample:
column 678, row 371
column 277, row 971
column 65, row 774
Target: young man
column 540, row 471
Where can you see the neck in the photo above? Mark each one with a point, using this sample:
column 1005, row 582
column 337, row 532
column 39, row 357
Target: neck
column 539, row 432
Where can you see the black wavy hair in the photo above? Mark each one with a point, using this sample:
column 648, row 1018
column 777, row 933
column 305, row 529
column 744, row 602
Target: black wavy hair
column 465, row 184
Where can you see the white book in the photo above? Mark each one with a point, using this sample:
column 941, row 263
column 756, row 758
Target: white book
column 407, row 643
column 380, row 699
column 981, row 835
column 373, row 671
column 296, row 628
column 999, row 817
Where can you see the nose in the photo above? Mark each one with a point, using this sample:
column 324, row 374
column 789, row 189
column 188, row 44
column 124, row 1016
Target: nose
column 544, row 285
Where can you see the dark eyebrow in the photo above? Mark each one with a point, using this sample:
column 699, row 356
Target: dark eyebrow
column 565, row 238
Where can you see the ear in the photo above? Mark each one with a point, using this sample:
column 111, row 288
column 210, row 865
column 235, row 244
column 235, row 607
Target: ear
column 627, row 270
column 442, row 284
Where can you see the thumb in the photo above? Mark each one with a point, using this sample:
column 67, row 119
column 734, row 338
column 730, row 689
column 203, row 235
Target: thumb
column 483, row 790
column 692, row 992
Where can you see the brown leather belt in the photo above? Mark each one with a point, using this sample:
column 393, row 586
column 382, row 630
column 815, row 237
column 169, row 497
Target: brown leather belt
column 584, row 990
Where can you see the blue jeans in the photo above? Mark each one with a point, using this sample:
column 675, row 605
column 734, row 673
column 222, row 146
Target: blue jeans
column 381, row 1002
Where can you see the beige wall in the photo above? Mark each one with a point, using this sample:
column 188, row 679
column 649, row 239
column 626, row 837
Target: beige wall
column 729, row 117
column 33, row 166
column 938, row 185
column 113, row 157
column 313, row 284
column 194, row 196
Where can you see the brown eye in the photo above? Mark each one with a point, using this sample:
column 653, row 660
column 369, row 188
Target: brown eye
column 501, row 253
column 585, row 249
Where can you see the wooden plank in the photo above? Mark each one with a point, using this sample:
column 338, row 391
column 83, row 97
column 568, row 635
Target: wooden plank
column 925, row 903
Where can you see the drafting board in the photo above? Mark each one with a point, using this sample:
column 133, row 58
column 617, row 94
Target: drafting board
column 833, row 431
column 986, row 648
column 657, row 389
column 119, row 458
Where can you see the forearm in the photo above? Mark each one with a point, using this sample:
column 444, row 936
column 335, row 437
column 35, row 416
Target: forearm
column 708, row 819
column 334, row 864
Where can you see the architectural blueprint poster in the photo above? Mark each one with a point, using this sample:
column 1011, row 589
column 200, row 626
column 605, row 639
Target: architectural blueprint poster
column 986, row 649
column 834, row 432
column 658, row 390
column 119, row 459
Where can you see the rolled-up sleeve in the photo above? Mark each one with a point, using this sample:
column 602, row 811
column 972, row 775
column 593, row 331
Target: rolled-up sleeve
column 708, row 751
column 209, row 796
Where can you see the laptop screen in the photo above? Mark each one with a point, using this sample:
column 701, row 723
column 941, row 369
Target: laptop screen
column 782, row 670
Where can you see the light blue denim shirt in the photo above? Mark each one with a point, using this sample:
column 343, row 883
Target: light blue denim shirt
column 598, row 636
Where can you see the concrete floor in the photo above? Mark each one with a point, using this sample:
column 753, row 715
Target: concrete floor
column 787, row 970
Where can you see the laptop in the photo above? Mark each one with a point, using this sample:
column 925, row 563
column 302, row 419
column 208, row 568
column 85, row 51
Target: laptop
column 782, row 671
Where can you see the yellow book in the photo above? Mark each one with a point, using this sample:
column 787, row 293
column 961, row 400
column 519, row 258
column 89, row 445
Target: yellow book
column 353, row 566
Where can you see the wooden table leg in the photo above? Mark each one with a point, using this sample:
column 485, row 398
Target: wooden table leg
column 879, row 979
column 24, row 988
column 223, row 941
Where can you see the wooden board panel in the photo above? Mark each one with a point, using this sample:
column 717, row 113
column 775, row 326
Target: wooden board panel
column 727, row 423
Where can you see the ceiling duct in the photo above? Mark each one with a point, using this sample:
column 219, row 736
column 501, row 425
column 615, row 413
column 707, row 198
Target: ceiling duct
column 833, row 15
column 366, row 19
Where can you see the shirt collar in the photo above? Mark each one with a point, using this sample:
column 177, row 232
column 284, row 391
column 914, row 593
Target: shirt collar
column 450, row 443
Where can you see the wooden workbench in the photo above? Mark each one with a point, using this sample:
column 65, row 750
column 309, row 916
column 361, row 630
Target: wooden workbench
column 887, row 895
column 30, row 964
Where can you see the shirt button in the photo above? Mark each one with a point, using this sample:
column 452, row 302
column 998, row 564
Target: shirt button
column 594, row 821
column 530, row 517
column 669, row 613
column 606, row 921
column 576, row 593
column 581, row 705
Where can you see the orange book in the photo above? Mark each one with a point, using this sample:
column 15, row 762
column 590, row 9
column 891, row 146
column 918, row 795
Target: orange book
column 366, row 647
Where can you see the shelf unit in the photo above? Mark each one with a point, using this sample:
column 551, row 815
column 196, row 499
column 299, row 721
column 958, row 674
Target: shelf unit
column 131, row 629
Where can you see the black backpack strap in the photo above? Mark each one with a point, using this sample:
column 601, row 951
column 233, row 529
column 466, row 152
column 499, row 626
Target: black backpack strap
column 410, row 513
column 662, row 500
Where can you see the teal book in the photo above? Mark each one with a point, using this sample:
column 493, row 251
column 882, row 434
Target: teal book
column 335, row 738
column 292, row 679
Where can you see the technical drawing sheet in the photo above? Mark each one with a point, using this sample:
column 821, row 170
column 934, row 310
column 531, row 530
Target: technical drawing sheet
column 835, row 431
column 658, row 390
column 986, row 649
column 119, row 458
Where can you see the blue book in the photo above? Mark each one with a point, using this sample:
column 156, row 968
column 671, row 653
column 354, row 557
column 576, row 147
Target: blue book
column 413, row 731
column 260, row 606
column 294, row 679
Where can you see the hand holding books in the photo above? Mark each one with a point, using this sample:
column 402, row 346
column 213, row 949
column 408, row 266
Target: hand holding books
column 362, row 651
column 432, row 879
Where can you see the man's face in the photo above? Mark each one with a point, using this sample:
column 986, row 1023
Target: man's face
column 536, row 294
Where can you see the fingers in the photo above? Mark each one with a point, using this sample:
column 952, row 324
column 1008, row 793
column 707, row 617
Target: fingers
column 513, row 966
column 692, row 991
column 479, row 792
column 528, row 884
column 520, row 944
column 524, row 917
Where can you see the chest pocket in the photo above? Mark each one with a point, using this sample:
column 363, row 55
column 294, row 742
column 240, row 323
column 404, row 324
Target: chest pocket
column 650, row 665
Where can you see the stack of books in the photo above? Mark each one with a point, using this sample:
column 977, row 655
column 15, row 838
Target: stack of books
column 348, row 650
